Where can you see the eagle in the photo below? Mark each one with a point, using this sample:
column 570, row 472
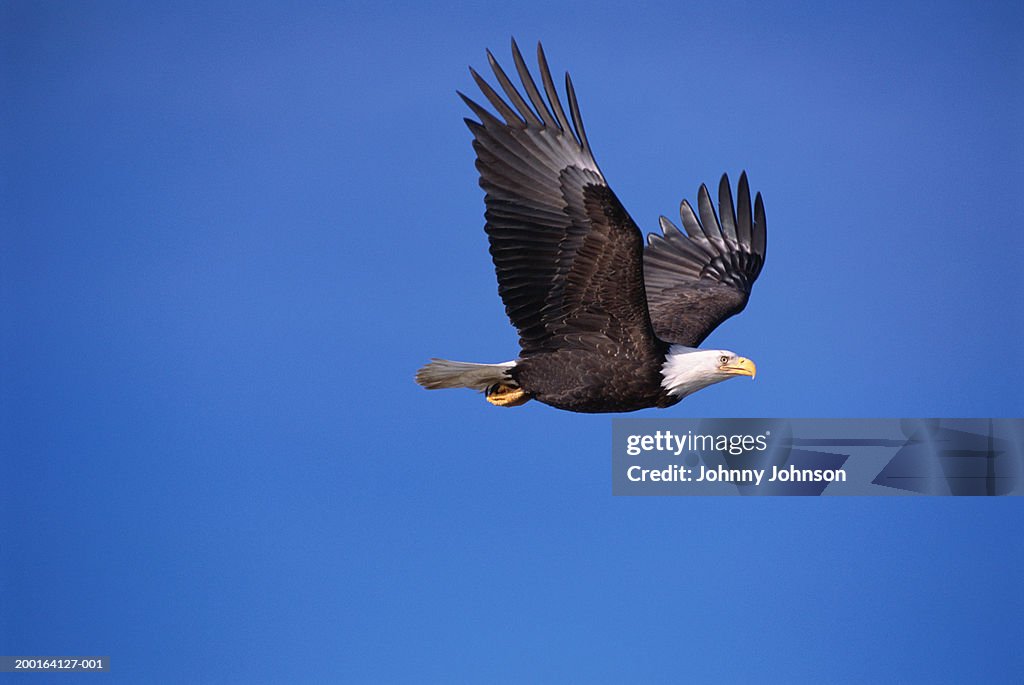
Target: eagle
column 606, row 324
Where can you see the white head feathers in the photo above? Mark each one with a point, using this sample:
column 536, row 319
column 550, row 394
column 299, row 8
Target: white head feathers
column 687, row 369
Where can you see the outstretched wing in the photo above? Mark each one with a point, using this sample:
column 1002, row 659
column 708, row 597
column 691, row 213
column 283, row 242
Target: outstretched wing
column 569, row 259
column 697, row 280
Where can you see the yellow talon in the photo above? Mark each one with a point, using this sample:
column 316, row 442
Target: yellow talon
column 502, row 395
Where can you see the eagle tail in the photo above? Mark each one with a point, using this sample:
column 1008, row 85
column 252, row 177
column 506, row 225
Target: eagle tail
column 494, row 379
column 442, row 373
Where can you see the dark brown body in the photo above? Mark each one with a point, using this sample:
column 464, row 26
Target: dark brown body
column 580, row 381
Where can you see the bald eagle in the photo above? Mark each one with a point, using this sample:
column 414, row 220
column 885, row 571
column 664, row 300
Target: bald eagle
column 605, row 324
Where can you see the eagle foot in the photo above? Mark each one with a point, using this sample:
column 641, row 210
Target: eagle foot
column 503, row 395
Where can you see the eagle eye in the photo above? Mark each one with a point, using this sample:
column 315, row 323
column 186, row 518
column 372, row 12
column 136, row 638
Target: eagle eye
column 724, row 359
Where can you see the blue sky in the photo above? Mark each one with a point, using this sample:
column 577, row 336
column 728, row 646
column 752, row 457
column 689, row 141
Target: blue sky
column 232, row 233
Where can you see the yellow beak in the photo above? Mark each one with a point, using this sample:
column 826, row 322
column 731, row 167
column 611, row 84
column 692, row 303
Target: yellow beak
column 741, row 367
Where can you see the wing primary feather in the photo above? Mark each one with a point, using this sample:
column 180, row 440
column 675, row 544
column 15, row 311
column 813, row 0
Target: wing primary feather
column 760, row 228
column 511, row 118
column 744, row 232
column 654, row 238
column 574, row 110
column 708, row 219
column 667, row 227
column 725, row 208
column 513, row 94
column 727, row 214
column 485, row 116
column 531, row 87
column 690, row 221
column 549, row 88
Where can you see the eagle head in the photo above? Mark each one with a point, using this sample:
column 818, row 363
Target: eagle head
column 686, row 369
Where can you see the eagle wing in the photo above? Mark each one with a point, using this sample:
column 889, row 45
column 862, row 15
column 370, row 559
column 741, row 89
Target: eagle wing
column 568, row 257
column 697, row 280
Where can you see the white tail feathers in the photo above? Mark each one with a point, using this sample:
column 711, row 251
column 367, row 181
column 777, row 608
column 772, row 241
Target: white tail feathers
column 442, row 373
